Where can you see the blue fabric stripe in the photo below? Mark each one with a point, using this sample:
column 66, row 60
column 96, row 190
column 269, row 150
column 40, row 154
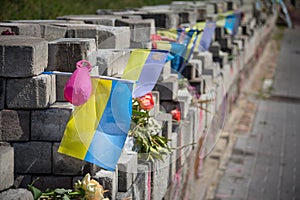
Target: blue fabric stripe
column 150, row 72
column 108, row 141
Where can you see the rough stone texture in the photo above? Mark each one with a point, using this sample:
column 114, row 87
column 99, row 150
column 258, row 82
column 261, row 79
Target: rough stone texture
column 113, row 37
column 106, row 20
column 50, row 32
column 163, row 19
column 64, row 53
column 22, row 29
column 49, row 124
column 112, row 62
column 109, row 181
column 185, row 99
column 59, row 87
column 160, row 179
column 16, row 194
column 32, row 157
column 22, row 56
column 106, row 37
column 2, row 92
column 166, row 120
column 66, row 165
column 6, row 167
column 127, row 166
column 142, row 181
column 22, row 181
column 53, row 182
column 140, row 30
column 167, row 88
column 15, row 125
column 30, row 93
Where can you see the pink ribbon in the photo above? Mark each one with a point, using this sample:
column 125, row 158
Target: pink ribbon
column 177, row 182
column 149, row 185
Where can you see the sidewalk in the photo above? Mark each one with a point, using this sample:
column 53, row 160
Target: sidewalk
column 264, row 164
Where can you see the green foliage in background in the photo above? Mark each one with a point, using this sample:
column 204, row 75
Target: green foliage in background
column 50, row 9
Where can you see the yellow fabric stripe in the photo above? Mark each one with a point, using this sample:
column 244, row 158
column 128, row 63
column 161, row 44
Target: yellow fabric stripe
column 171, row 33
column 135, row 64
column 199, row 26
column 81, row 127
column 163, row 45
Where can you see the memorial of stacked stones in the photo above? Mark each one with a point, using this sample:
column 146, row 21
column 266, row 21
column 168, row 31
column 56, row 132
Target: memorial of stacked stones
column 34, row 112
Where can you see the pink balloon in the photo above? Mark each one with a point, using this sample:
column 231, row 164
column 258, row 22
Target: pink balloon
column 78, row 88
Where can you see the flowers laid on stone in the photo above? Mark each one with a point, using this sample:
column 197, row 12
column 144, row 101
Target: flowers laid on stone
column 145, row 131
column 7, row 32
column 176, row 115
column 86, row 189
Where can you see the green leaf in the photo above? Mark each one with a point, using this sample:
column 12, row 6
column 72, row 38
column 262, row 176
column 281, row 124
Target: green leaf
column 60, row 191
column 35, row 192
column 65, row 197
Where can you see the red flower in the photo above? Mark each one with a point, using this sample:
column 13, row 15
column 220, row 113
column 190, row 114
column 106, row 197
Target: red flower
column 176, row 115
column 146, row 101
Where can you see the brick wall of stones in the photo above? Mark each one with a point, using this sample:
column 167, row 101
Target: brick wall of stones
column 34, row 113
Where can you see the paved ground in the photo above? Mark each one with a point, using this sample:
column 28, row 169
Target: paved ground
column 264, row 164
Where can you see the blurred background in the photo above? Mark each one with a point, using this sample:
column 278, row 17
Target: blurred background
column 50, row 9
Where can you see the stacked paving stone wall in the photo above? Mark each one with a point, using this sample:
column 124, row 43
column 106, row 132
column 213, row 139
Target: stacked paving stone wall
column 34, row 112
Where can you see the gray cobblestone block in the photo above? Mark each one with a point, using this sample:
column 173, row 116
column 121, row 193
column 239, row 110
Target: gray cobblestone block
column 127, row 166
column 109, row 181
column 206, row 59
column 59, row 87
column 46, row 21
column 196, row 69
column 52, row 182
column 211, row 8
column 2, row 92
column 22, row 181
column 106, row 37
column 125, row 195
column 113, row 37
column 22, row 29
column 195, row 117
column 185, row 99
column 156, row 109
column 30, row 93
column 188, row 16
column 49, row 124
column 50, row 32
column 22, row 56
column 173, row 157
column 167, row 88
column 64, row 53
column 163, row 18
column 215, row 49
column 6, row 167
column 166, row 120
column 141, row 181
column 166, row 72
column 19, row 194
column 106, row 20
column 160, row 179
column 33, row 157
column 66, row 165
column 179, row 152
column 140, row 29
column 112, row 62
column 219, row 33
column 15, row 125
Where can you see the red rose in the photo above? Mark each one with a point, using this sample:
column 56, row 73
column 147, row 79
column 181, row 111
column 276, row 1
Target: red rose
column 146, row 101
column 176, row 114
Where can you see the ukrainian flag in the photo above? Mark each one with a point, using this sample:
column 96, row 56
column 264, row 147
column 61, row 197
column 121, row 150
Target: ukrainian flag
column 97, row 130
column 144, row 66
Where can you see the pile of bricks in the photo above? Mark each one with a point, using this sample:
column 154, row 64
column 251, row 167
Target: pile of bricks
column 34, row 112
